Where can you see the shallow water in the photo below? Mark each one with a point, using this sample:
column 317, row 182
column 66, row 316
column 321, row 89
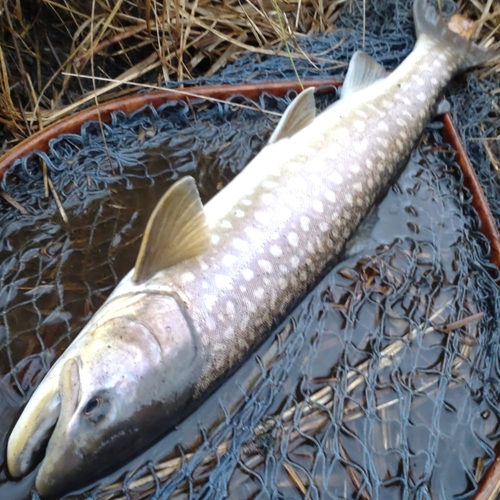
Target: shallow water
column 401, row 414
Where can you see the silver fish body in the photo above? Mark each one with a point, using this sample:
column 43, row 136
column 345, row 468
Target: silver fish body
column 169, row 335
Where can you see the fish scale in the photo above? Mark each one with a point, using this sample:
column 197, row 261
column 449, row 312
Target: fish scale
column 210, row 282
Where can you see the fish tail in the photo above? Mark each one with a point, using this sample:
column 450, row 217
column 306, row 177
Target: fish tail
column 429, row 24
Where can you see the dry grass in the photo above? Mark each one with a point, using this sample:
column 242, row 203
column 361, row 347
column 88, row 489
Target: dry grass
column 148, row 41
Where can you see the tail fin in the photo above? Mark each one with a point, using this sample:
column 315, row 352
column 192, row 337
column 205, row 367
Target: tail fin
column 428, row 22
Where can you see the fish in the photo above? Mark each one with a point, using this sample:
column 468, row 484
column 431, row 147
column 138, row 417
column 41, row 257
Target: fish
column 211, row 282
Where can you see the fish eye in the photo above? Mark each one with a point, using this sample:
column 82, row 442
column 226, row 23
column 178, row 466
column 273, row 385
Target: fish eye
column 92, row 406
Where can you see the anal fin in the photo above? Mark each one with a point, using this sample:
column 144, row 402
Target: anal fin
column 176, row 231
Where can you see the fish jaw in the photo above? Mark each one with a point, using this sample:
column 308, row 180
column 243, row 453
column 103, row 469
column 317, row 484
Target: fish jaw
column 29, row 434
column 134, row 369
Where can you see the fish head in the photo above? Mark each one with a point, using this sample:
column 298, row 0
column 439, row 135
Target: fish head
column 115, row 393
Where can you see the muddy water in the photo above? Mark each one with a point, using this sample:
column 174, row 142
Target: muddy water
column 401, row 416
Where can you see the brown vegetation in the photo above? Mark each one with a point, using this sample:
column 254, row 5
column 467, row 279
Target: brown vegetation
column 59, row 56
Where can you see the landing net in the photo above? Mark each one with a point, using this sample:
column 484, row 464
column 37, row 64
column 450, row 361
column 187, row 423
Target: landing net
column 385, row 381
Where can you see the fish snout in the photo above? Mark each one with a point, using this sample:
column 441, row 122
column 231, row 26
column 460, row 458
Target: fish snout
column 61, row 452
column 32, row 431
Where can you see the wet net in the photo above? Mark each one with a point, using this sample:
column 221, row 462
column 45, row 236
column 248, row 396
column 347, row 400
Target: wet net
column 383, row 383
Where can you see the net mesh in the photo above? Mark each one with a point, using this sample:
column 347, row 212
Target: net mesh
column 383, row 383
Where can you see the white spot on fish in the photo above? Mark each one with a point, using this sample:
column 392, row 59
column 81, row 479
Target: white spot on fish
column 358, row 186
column 293, row 239
column 324, row 226
column 348, row 198
column 360, row 125
column 442, row 57
column 269, row 184
column 266, row 266
column 230, row 308
column 436, row 63
column 210, row 322
column 403, row 134
column 421, row 96
column 369, row 163
column 340, row 132
column 282, row 283
column 203, row 264
column 283, row 268
column 258, row 293
column 215, row 239
column 383, row 141
column 387, row 104
column 304, row 223
column 336, row 178
column 294, row 261
column 252, row 232
column 406, row 101
column 246, row 202
column 243, row 288
column 382, row 126
column 330, row 196
column 400, row 144
column 434, row 80
column 247, row 274
column 400, row 122
column 267, row 199
column 261, row 217
column 419, row 80
column 276, row 250
column 223, row 282
column 381, row 154
column 355, row 168
column 229, row 332
column 210, row 301
column 240, row 244
column 226, row 224
column 318, row 206
column 361, row 113
column 187, row 277
column 360, row 146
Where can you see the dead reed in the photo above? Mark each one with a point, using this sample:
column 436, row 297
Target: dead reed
column 43, row 42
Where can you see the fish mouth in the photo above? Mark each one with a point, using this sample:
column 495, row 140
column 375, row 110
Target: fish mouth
column 59, row 454
column 31, row 432
column 42, row 421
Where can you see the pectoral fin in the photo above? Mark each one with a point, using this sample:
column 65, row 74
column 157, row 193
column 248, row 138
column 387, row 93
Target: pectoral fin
column 300, row 113
column 176, row 231
column 363, row 71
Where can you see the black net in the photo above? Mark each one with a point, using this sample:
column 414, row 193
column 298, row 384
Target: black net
column 383, row 383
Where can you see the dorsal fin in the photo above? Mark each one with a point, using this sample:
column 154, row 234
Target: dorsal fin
column 363, row 71
column 300, row 113
column 177, row 230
